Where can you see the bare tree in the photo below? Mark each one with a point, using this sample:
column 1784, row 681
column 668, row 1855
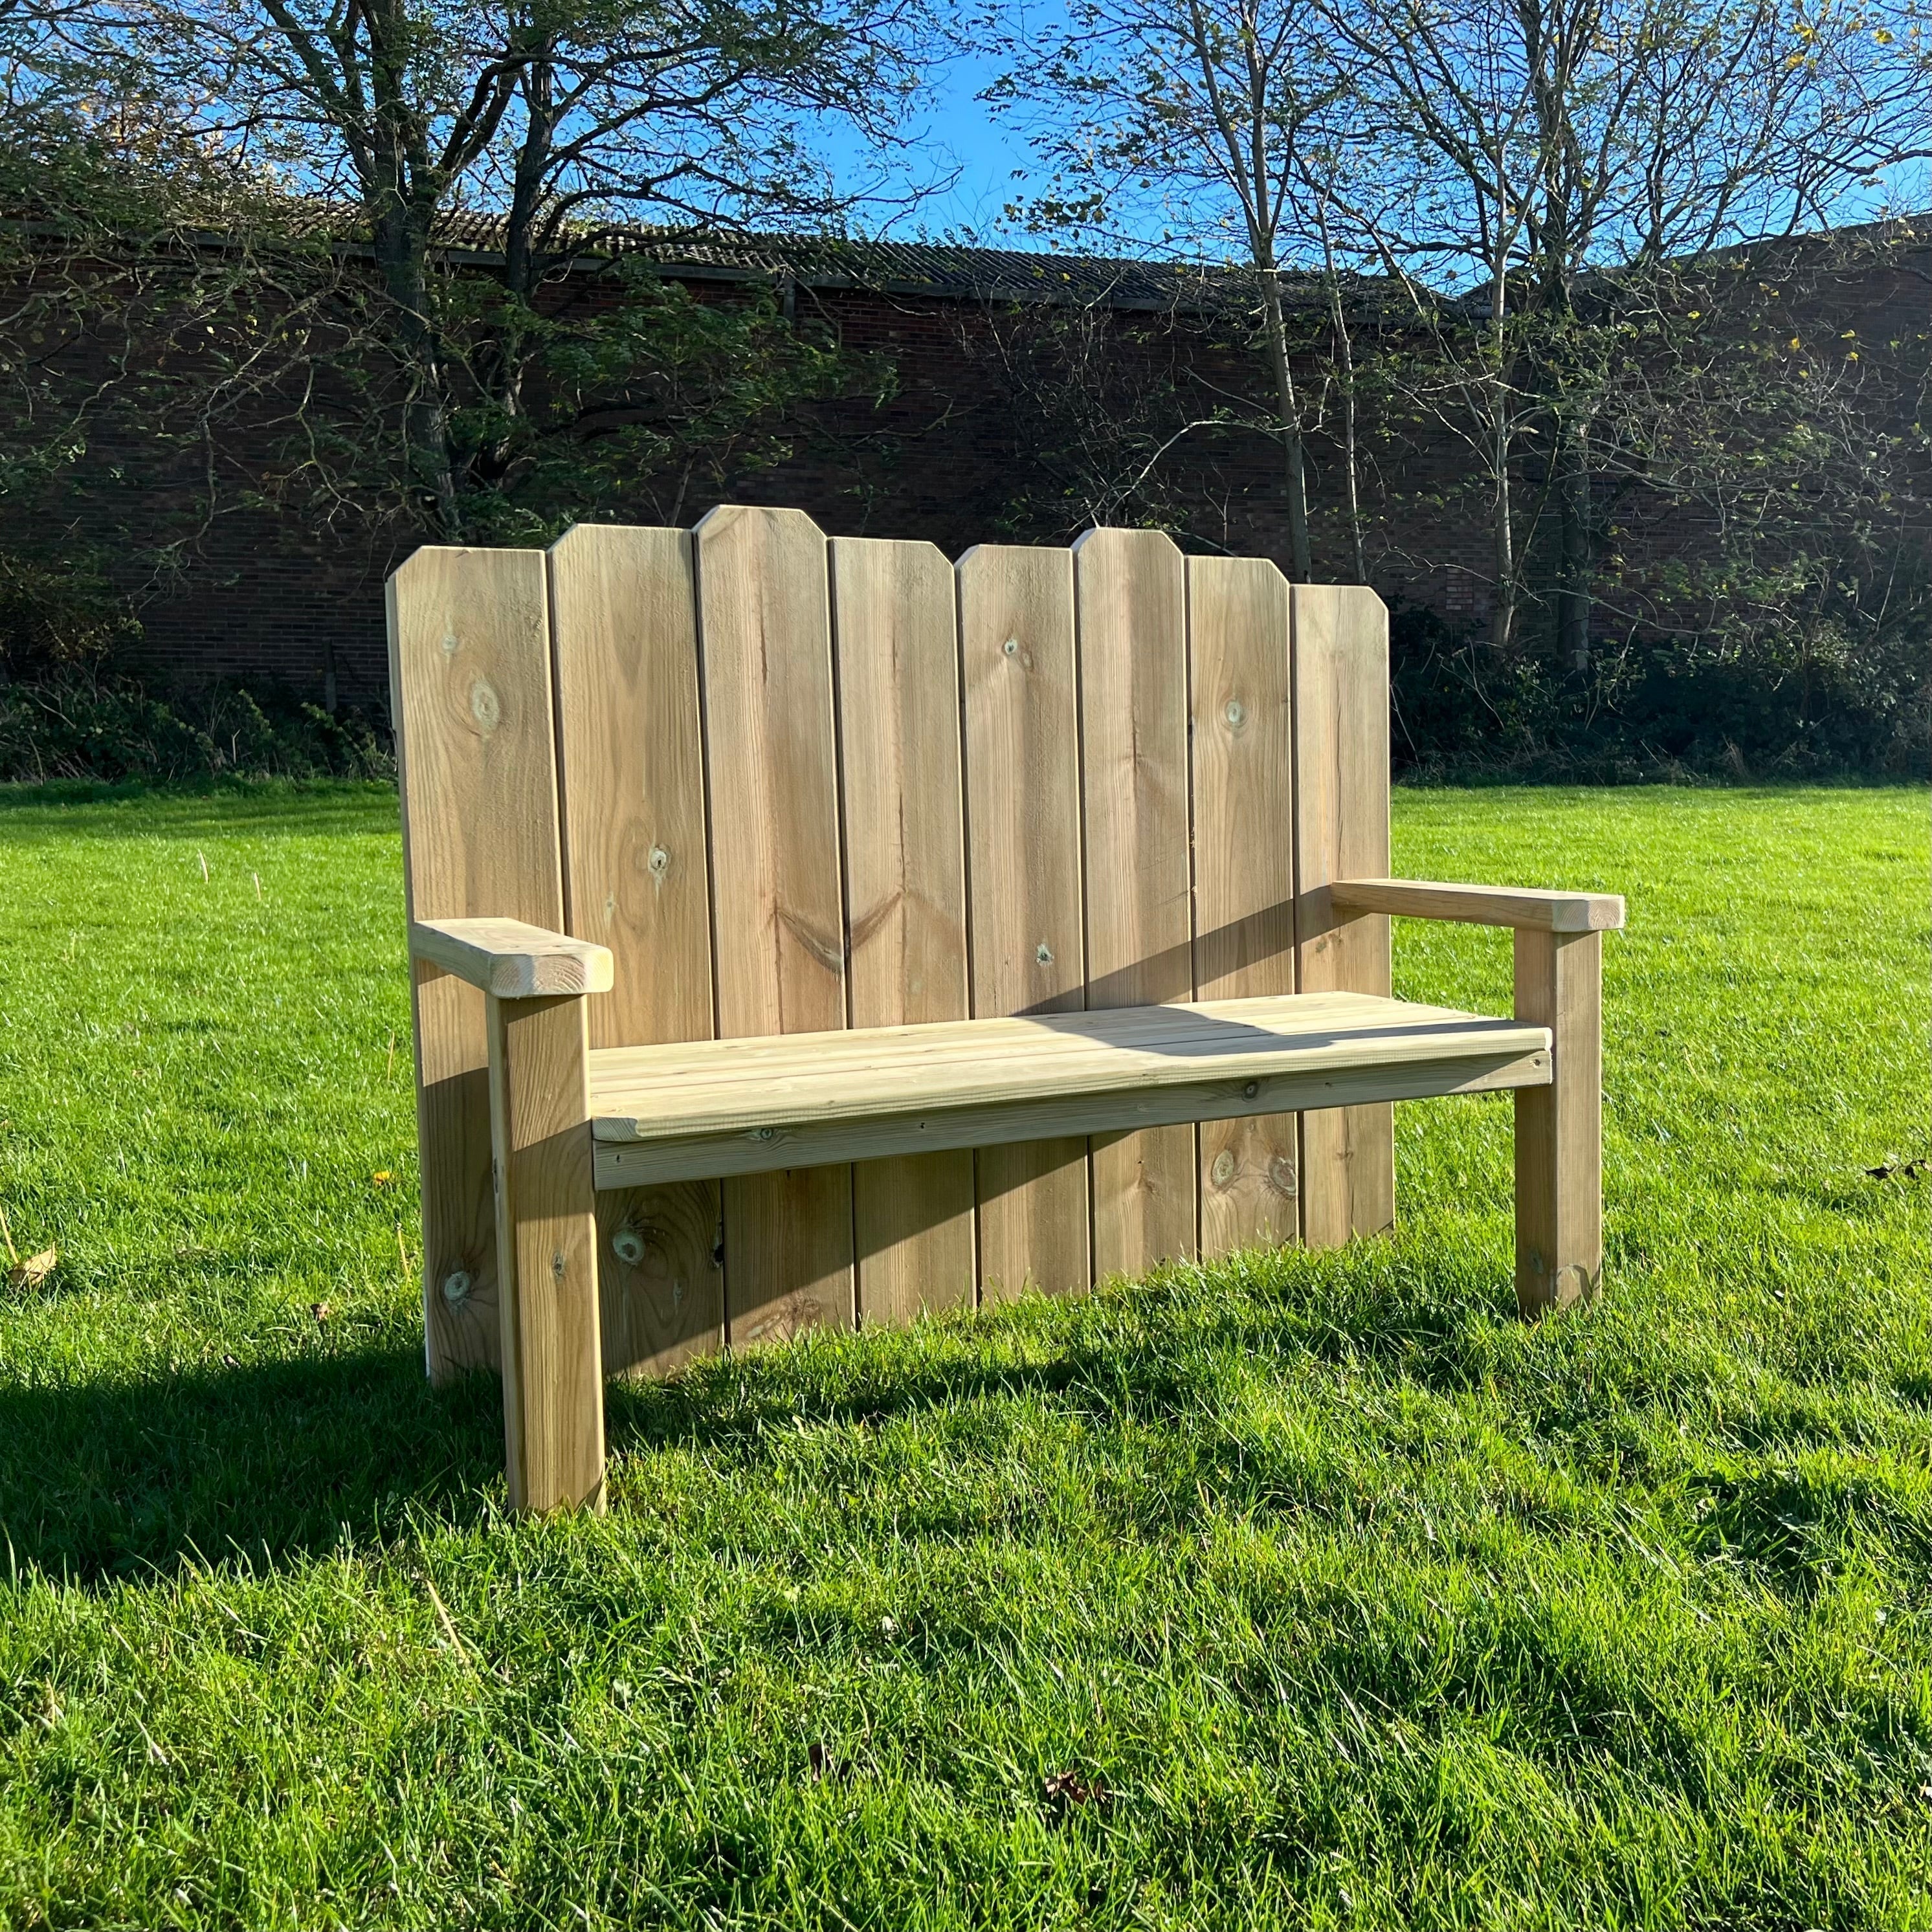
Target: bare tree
column 1191, row 114
column 555, row 119
column 1523, row 156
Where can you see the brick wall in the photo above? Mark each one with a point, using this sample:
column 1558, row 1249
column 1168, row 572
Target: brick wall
column 954, row 456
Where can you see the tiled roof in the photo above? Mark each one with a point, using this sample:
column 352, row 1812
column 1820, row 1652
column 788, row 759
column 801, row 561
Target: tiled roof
column 945, row 269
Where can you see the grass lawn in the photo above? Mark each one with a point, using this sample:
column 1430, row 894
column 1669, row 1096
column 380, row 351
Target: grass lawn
column 1344, row 1598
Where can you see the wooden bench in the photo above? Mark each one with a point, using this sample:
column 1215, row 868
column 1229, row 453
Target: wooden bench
column 813, row 932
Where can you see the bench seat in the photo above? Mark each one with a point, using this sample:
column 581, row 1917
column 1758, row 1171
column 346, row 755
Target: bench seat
column 704, row 1111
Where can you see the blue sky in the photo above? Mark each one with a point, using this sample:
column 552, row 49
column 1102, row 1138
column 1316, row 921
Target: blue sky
column 955, row 135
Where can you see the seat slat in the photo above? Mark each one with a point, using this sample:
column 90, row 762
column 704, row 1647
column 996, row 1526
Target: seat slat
column 659, row 1113
column 939, row 1046
column 664, row 1092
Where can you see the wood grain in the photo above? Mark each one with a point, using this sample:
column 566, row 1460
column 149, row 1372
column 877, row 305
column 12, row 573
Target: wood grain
column 636, row 879
column 1023, row 884
column 1559, row 1130
column 1130, row 593
column 673, row 1109
column 765, row 649
column 470, row 669
column 510, row 959
column 546, row 1235
column 1043, row 1112
column 1340, row 659
column 1481, row 905
column 1244, row 750
column 896, row 646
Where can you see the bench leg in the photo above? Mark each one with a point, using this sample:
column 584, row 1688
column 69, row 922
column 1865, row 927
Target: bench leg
column 1559, row 1158
column 547, row 1253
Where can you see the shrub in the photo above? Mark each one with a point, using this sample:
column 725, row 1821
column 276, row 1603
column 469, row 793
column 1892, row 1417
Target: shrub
column 1822, row 702
column 80, row 726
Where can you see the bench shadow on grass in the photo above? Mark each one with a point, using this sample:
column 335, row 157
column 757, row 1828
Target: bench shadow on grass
column 235, row 1464
column 100, row 1481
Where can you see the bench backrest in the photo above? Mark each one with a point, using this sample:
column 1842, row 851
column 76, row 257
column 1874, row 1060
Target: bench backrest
column 796, row 783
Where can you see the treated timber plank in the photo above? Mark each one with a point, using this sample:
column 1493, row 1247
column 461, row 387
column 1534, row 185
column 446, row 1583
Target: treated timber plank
column 1244, row 750
column 1045, row 1112
column 469, row 668
column 670, row 1093
column 547, row 1232
column 1131, row 619
column 765, row 650
column 1023, row 884
column 637, row 879
column 1482, row 905
column 1340, row 658
column 1559, row 1130
column 896, row 642
column 935, row 1059
column 511, row 960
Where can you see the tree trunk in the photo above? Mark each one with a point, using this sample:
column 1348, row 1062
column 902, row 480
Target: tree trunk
column 1345, row 354
column 1502, row 615
column 1300, row 564
column 402, row 254
column 1573, row 503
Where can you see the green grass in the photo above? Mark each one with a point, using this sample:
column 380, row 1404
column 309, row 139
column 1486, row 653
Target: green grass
column 1358, row 1602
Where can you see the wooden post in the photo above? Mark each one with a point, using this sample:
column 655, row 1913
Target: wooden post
column 547, row 1253
column 1559, row 1157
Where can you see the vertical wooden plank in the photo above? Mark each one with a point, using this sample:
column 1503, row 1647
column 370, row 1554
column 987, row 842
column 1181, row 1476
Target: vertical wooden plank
column 1244, row 869
column 896, row 646
column 777, row 914
column 469, row 672
column 1342, row 831
column 1559, row 1128
column 636, row 879
column 546, row 1235
column 1023, row 890
column 1131, row 621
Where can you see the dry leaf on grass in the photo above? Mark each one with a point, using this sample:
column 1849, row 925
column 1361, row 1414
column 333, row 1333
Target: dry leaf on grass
column 1066, row 1789
column 1892, row 1168
column 34, row 1270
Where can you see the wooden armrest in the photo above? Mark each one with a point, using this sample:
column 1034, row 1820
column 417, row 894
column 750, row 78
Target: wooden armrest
column 511, row 960
column 1482, row 905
